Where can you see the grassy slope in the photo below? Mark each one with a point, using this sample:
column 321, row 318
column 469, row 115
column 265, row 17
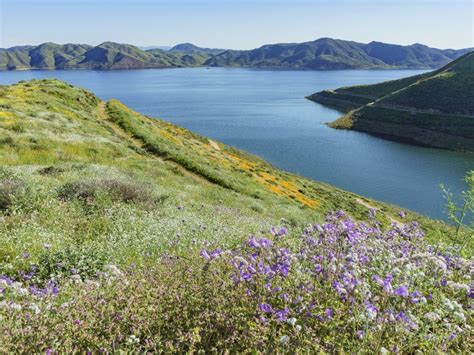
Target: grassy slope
column 425, row 109
column 90, row 183
column 49, row 123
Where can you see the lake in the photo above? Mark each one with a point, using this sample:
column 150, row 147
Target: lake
column 264, row 112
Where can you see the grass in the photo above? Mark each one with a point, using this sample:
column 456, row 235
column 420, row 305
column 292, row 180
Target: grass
column 432, row 109
column 104, row 213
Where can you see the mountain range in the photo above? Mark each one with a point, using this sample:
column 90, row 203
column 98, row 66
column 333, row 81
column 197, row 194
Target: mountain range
column 434, row 109
column 321, row 54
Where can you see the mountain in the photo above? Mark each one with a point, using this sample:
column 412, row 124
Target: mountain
column 44, row 56
column 121, row 233
column 190, row 48
column 434, row 109
column 108, row 55
column 322, row 54
column 146, row 48
column 328, row 53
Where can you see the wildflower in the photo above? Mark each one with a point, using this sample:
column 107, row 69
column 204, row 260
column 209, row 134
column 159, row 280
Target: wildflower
column 328, row 313
column 205, row 255
column 371, row 311
column 432, row 316
column 291, row 321
column 282, row 315
column 132, row 339
column 402, row 291
column 265, row 307
column 284, row 339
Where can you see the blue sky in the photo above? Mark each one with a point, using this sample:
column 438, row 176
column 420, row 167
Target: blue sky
column 239, row 24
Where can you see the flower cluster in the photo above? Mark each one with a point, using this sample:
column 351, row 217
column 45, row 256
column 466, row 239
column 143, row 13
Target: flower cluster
column 376, row 282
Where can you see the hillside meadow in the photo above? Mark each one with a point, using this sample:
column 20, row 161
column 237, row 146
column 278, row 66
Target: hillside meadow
column 124, row 233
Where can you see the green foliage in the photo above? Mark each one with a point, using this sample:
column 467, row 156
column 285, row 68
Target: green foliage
column 83, row 262
column 461, row 213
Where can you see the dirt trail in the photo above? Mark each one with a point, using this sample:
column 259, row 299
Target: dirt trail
column 214, row 145
column 119, row 132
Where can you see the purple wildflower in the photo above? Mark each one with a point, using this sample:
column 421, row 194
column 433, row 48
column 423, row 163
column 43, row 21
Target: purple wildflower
column 205, row 255
column 265, row 308
column 402, row 291
column 328, row 313
column 282, row 316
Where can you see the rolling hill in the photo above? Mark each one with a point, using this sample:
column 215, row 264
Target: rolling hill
column 107, row 55
column 322, row 54
column 328, row 53
column 433, row 109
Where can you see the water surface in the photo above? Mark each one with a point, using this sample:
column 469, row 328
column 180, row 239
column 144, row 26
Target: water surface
column 264, row 112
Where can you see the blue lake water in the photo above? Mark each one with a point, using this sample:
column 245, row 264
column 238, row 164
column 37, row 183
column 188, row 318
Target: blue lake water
column 264, row 112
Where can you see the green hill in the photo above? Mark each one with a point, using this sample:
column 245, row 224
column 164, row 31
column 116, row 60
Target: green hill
column 328, row 53
column 107, row 55
column 434, row 109
column 124, row 233
column 322, row 54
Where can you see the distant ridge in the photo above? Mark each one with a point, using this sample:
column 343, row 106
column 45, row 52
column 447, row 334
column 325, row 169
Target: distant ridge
column 328, row 53
column 190, row 48
column 321, row 54
column 434, row 109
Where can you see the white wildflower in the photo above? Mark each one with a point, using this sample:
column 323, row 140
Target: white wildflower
column 432, row 316
column 459, row 316
column 132, row 339
column 34, row 308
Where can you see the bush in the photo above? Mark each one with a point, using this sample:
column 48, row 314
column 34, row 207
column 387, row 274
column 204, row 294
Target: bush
column 116, row 190
column 11, row 189
column 51, row 170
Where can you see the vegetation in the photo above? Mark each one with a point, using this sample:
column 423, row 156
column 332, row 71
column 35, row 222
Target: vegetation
column 461, row 213
column 124, row 233
column 433, row 109
column 328, row 53
column 107, row 55
column 324, row 53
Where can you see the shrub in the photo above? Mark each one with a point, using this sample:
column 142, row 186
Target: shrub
column 461, row 213
column 116, row 190
column 11, row 189
column 51, row 170
column 84, row 191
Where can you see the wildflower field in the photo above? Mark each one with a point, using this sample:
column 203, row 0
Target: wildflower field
column 123, row 233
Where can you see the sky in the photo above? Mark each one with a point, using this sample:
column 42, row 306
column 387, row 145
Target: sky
column 236, row 24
